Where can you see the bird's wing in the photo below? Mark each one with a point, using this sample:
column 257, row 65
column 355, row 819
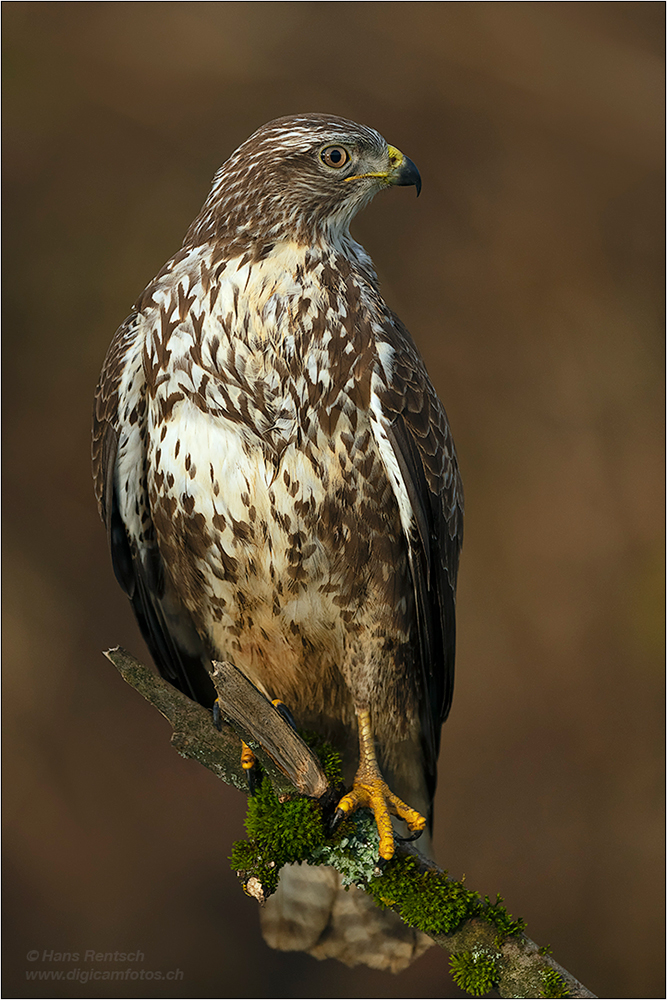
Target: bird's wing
column 119, row 417
column 423, row 471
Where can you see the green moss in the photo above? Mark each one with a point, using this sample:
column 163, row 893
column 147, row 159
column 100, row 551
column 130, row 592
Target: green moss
column 505, row 924
column 433, row 902
column 328, row 757
column 476, row 972
column 546, row 949
column 553, row 984
column 292, row 827
column 249, row 859
column 281, row 833
column 278, row 833
column 427, row 900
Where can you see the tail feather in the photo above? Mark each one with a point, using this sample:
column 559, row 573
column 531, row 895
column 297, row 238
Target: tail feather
column 312, row 912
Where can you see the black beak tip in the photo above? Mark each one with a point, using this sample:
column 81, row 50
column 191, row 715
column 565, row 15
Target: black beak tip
column 409, row 175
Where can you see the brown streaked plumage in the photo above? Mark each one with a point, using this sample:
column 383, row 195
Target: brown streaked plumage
column 280, row 487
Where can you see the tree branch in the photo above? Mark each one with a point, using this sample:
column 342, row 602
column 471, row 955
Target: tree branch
column 488, row 953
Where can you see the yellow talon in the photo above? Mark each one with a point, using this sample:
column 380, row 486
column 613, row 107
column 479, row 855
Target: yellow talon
column 371, row 790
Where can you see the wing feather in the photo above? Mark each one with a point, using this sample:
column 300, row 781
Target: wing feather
column 165, row 625
column 417, row 429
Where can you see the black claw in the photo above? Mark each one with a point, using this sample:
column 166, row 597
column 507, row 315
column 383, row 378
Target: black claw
column 336, row 820
column 415, row 835
column 328, row 803
column 255, row 775
column 281, row 707
column 217, row 715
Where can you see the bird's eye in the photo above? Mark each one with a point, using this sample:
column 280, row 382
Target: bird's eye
column 335, row 156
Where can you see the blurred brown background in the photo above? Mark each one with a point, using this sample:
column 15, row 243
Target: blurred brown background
column 530, row 272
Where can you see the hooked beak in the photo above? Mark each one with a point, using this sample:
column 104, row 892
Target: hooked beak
column 404, row 172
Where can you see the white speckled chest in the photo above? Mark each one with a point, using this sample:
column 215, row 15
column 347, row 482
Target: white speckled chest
column 264, row 474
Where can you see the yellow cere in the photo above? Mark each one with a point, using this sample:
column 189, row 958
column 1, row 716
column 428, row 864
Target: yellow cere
column 396, row 157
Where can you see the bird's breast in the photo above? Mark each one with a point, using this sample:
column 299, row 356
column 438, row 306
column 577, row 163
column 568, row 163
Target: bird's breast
column 273, row 511
column 275, row 552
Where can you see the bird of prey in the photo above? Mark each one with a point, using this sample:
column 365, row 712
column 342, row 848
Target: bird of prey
column 280, row 487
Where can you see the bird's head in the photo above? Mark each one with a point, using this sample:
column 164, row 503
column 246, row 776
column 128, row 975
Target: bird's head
column 303, row 179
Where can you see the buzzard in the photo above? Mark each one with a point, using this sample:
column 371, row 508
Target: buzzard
column 280, row 487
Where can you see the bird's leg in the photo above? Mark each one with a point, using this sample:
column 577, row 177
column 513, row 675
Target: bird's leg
column 371, row 790
column 252, row 768
column 249, row 762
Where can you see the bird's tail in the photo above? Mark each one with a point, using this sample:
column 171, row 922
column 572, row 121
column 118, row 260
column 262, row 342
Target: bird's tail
column 311, row 911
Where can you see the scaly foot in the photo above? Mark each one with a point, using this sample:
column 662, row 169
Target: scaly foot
column 371, row 790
